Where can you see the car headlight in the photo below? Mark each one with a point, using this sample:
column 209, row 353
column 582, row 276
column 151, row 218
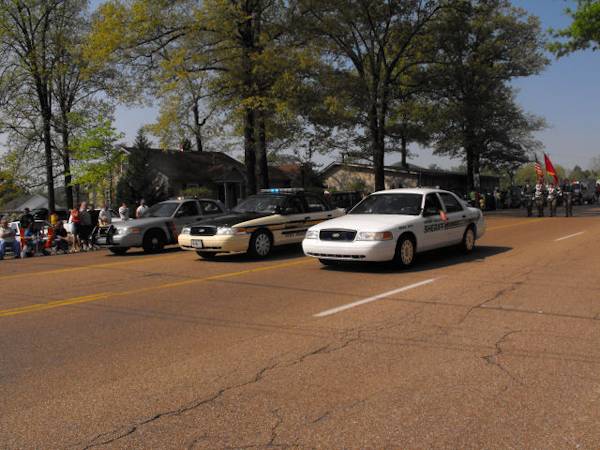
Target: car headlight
column 375, row 236
column 128, row 230
column 186, row 230
column 230, row 231
column 312, row 234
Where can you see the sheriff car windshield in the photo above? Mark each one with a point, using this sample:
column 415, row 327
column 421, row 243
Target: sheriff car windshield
column 165, row 209
column 404, row 204
column 261, row 204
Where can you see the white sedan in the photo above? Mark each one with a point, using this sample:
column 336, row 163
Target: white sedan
column 395, row 225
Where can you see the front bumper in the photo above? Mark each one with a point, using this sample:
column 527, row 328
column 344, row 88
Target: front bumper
column 118, row 240
column 350, row 250
column 217, row 243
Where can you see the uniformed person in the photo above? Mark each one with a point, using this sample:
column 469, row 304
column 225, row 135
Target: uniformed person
column 567, row 194
column 539, row 198
column 528, row 196
column 553, row 192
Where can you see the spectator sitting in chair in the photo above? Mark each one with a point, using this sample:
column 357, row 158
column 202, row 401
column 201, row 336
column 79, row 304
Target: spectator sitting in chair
column 32, row 243
column 61, row 242
column 8, row 239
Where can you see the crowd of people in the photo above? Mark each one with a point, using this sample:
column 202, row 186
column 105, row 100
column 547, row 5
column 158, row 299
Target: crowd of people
column 27, row 237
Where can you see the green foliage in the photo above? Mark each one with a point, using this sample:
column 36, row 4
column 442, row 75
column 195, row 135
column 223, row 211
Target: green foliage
column 97, row 158
column 526, row 174
column 9, row 187
column 140, row 180
column 582, row 33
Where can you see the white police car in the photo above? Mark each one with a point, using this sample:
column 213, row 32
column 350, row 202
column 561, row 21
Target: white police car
column 395, row 225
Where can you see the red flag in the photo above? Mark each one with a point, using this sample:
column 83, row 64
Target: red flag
column 550, row 168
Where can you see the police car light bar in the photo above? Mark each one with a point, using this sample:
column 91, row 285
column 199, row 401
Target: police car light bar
column 282, row 190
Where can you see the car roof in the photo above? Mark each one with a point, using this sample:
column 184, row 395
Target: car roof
column 410, row 191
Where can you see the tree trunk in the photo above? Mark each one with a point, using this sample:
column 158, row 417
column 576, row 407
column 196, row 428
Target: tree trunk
column 47, row 117
column 404, row 150
column 250, row 151
column 197, row 126
column 263, row 163
column 66, row 157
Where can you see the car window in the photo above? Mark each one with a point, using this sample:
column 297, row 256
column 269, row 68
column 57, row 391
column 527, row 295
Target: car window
column 188, row 209
column 432, row 202
column 163, row 209
column 403, row 204
column 294, row 206
column 210, row 208
column 452, row 204
column 261, row 204
column 315, row 204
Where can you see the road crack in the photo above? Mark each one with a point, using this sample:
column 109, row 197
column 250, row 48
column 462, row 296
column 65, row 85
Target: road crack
column 493, row 358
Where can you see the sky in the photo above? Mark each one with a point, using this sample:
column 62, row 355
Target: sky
column 566, row 94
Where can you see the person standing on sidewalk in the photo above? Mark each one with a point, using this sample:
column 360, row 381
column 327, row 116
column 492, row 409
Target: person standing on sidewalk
column 139, row 212
column 124, row 212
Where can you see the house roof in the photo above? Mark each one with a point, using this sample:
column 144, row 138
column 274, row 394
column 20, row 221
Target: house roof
column 194, row 166
column 395, row 168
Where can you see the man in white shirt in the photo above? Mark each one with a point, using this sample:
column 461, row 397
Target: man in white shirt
column 8, row 239
column 139, row 212
column 104, row 218
column 124, row 212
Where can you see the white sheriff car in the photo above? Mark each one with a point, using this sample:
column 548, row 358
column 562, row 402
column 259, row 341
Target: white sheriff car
column 395, row 225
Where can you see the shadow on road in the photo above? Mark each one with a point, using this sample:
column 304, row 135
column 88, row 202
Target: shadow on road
column 283, row 253
column 134, row 253
column 435, row 259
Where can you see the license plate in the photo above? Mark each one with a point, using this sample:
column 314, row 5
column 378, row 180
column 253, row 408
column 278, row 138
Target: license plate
column 197, row 243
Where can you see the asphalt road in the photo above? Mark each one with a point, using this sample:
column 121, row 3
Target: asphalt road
column 493, row 350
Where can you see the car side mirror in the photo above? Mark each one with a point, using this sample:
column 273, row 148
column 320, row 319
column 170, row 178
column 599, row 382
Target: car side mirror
column 180, row 213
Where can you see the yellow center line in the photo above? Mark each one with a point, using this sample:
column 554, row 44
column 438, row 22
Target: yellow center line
column 91, row 266
column 108, row 295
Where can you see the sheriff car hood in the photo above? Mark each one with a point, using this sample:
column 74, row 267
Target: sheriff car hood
column 367, row 222
column 230, row 220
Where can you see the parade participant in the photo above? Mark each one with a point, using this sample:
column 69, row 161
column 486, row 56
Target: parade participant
column 539, row 198
column 9, row 239
column 553, row 193
column 139, row 212
column 567, row 194
column 528, row 196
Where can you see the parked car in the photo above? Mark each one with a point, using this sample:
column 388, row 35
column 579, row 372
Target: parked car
column 160, row 225
column 584, row 192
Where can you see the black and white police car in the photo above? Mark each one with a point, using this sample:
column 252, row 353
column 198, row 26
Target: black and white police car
column 395, row 225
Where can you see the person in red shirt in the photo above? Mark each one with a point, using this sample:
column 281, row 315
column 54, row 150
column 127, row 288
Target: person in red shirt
column 75, row 222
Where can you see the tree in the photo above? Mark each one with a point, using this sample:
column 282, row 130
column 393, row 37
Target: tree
column 140, row 179
column 583, row 32
column 9, row 187
column 482, row 46
column 97, row 157
column 370, row 45
column 217, row 54
column 28, row 31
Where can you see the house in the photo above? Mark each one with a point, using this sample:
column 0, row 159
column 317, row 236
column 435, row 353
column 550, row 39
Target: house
column 361, row 177
column 31, row 201
column 219, row 173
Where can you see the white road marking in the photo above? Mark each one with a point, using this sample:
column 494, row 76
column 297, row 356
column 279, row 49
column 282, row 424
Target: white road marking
column 569, row 236
column 329, row 312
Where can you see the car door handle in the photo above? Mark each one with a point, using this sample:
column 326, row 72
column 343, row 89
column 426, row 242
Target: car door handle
column 307, row 218
column 329, row 215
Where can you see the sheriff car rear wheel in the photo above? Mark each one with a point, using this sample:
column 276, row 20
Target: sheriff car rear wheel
column 468, row 242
